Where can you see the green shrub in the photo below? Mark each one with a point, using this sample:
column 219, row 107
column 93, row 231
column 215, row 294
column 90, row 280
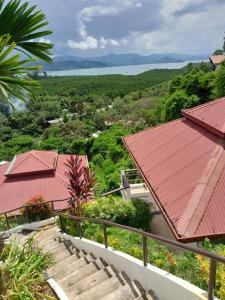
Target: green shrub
column 142, row 214
column 135, row 213
column 112, row 209
column 37, row 209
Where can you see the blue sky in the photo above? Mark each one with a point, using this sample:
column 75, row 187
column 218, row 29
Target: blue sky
column 98, row 27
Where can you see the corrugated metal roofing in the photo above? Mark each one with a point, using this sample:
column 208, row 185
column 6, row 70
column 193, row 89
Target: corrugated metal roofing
column 182, row 162
column 31, row 162
column 16, row 190
column 210, row 115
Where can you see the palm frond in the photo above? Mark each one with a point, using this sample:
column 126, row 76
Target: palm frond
column 24, row 24
column 13, row 73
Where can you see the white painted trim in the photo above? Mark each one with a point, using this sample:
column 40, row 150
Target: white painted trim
column 57, row 289
column 165, row 285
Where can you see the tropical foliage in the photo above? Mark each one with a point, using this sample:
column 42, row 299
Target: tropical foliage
column 20, row 24
column 135, row 213
column 91, row 121
column 12, row 70
column 22, row 270
column 24, row 23
column 81, row 181
column 37, row 209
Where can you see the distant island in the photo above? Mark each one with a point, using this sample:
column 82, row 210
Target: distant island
column 69, row 62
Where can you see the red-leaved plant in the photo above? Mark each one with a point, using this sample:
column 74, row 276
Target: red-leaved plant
column 81, row 181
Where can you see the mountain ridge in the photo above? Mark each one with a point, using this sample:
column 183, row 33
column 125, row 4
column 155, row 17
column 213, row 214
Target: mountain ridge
column 67, row 62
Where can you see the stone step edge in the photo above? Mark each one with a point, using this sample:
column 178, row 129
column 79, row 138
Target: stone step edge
column 61, row 295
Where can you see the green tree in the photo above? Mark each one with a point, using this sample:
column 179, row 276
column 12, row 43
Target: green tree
column 219, row 81
column 218, row 52
column 175, row 103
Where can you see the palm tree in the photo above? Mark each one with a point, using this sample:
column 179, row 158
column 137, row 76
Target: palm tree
column 13, row 72
column 24, row 24
column 20, row 27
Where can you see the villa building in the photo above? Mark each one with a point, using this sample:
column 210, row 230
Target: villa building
column 183, row 166
column 32, row 174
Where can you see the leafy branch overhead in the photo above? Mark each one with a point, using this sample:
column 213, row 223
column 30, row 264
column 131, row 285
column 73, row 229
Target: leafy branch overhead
column 24, row 25
column 81, row 181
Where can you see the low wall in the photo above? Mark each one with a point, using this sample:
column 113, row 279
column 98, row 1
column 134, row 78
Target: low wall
column 31, row 226
column 165, row 285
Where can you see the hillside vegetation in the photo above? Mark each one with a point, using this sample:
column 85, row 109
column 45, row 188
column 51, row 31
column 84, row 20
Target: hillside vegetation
column 95, row 112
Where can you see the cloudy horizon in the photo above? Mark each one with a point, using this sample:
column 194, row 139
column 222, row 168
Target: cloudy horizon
column 98, row 27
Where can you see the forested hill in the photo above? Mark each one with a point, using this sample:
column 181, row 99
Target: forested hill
column 108, row 85
column 92, row 114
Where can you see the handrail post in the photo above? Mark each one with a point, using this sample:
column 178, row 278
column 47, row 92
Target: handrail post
column 105, row 235
column 7, row 221
column 27, row 213
column 212, row 278
column 52, row 204
column 2, row 283
column 145, row 252
column 61, row 222
column 79, row 229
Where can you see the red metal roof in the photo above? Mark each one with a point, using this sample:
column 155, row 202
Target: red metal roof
column 47, row 179
column 217, row 59
column 32, row 162
column 183, row 163
column 210, row 115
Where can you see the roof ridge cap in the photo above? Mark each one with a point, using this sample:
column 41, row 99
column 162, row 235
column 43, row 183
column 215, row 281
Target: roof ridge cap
column 202, row 193
column 154, row 127
column 202, row 105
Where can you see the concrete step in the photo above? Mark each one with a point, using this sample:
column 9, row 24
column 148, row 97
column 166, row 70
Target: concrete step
column 50, row 245
column 63, row 264
column 60, row 254
column 57, row 248
column 90, row 281
column 45, row 241
column 63, row 272
column 122, row 293
column 67, row 282
column 45, row 234
column 146, row 296
column 101, row 290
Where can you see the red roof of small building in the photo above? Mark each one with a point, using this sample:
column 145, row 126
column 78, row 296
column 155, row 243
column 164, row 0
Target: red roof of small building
column 183, row 163
column 31, row 174
column 217, row 59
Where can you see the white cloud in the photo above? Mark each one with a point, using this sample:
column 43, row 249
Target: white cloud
column 88, row 13
column 88, row 43
column 108, row 42
column 43, row 40
column 96, row 11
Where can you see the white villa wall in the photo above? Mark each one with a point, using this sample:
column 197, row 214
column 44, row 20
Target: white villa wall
column 159, row 226
column 165, row 285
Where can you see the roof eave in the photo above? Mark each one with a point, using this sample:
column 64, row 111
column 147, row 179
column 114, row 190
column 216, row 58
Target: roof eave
column 167, row 219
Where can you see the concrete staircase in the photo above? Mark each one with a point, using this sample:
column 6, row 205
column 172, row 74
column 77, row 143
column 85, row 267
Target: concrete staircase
column 82, row 276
